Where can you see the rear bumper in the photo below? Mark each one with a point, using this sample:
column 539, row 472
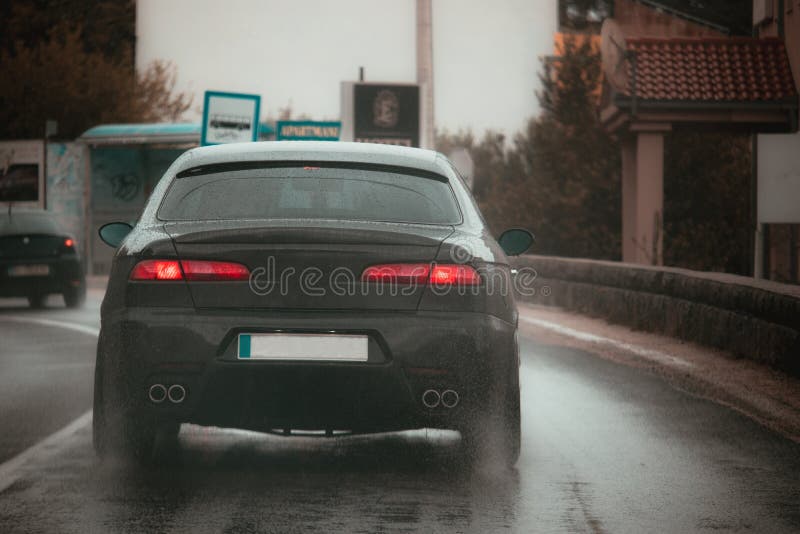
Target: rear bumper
column 410, row 352
column 65, row 272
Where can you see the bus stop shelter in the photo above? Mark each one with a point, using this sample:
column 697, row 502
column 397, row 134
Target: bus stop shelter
column 125, row 163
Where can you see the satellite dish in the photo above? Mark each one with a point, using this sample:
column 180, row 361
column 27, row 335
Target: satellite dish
column 613, row 52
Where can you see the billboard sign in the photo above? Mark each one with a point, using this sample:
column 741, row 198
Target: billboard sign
column 229, row 118
column 307, row 131
column 381, row 113
column 778, row 178
column 22, row 173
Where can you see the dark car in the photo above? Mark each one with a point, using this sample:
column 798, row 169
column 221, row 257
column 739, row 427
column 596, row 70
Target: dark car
column 37, row 258
column 298, row 287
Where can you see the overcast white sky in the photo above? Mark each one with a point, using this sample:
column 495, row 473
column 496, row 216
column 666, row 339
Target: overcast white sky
column 486, row 53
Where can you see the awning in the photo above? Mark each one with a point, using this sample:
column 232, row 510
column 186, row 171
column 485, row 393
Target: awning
column 151, row 133
column 727, row 82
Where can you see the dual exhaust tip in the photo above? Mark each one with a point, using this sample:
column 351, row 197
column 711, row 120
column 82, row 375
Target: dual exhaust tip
column 447, row 398
column 158, row 393
column 176, row 394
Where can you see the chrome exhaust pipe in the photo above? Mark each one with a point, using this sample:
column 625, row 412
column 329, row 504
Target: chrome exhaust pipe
column 450, row 398
column 431, row 398
column 157, row 393
column 176, row 393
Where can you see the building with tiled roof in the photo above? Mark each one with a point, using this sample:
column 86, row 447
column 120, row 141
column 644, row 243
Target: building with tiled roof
column 741, row 81
column 692, row 73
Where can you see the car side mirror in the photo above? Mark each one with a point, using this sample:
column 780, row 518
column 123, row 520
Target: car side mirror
column 516, row 241
column 114, row 233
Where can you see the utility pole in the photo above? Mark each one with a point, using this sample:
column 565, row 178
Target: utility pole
column 425, row 70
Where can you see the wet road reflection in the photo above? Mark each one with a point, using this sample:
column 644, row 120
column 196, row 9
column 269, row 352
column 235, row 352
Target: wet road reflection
column 606, row 448
column 226, row 481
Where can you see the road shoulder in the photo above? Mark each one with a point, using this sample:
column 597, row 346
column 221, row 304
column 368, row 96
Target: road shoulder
column 766, row 395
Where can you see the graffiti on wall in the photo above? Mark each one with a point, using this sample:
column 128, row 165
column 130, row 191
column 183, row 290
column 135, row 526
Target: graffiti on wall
column 65, row 187
column 124, row 187
column 117, row 179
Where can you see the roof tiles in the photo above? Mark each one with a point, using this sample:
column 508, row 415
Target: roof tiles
column 711, row 69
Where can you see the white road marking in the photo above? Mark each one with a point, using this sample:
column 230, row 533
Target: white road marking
column 11, row 470
column 90, row 330
column 648, row 354
column 52, row 445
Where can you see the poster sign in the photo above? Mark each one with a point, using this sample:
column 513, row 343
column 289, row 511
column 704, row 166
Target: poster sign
column 779, row 178
column 307, row 131
column 65, row 187
column 229, row 118
column 463, row 162
column 381, row 113
column 22, row 173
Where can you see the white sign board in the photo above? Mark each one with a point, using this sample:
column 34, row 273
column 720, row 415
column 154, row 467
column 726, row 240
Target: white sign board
column 229, row 118
column 463, row 162
column 22, row 173
column 779, row 178
column 762, row 11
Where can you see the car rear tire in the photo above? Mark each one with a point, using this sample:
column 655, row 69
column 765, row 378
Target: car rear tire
column 36, row 301
column 115, row 432
column 117, row 435
column 495, row 437
column 75, row 297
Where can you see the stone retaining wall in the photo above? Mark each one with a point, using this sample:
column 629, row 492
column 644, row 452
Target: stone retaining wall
column 753, row 319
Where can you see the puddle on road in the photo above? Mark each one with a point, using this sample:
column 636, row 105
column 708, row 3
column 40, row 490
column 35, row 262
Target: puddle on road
column 220, row 480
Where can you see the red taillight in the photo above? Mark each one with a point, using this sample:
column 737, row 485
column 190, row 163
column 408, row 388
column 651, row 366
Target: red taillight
column 69, row 243
column 207, row 271
column 191, row 270
column 454, row 275
column 397, row 273
column 421, row 273
column 157, row 270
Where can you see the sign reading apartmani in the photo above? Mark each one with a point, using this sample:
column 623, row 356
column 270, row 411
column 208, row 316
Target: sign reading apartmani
column 381, row 113
column 307, row 131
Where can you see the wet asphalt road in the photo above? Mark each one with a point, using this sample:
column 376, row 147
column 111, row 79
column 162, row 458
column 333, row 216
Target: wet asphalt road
column 606, row 448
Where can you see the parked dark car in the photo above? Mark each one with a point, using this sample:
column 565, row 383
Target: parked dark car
column 37, row 258
column 297, row 287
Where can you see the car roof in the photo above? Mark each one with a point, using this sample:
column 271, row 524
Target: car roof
column 26, row 212
column 321, row 151
column 27, row 221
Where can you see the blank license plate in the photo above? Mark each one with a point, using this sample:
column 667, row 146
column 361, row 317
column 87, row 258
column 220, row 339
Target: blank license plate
column 29, row 270
column 303, row 347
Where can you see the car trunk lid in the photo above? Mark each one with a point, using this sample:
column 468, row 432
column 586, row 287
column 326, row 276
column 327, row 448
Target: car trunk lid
column 30, row 246
column 301, row 265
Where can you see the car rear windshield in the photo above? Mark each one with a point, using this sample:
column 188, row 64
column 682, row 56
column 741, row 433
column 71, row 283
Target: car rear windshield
column 27, row 223
column 312, row 192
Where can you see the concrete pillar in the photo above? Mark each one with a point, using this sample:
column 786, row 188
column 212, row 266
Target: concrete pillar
column 649, row 197
column 643, row 194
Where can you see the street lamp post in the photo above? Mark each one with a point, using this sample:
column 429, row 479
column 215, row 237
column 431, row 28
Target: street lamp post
column 425, row 70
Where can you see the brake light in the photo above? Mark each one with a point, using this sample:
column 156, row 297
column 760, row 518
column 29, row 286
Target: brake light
column 421, row 273
column 207, row 271
column 397, row 273
column 69, row 243
column 191, row 270
column 454, row 275
column 157, row 270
